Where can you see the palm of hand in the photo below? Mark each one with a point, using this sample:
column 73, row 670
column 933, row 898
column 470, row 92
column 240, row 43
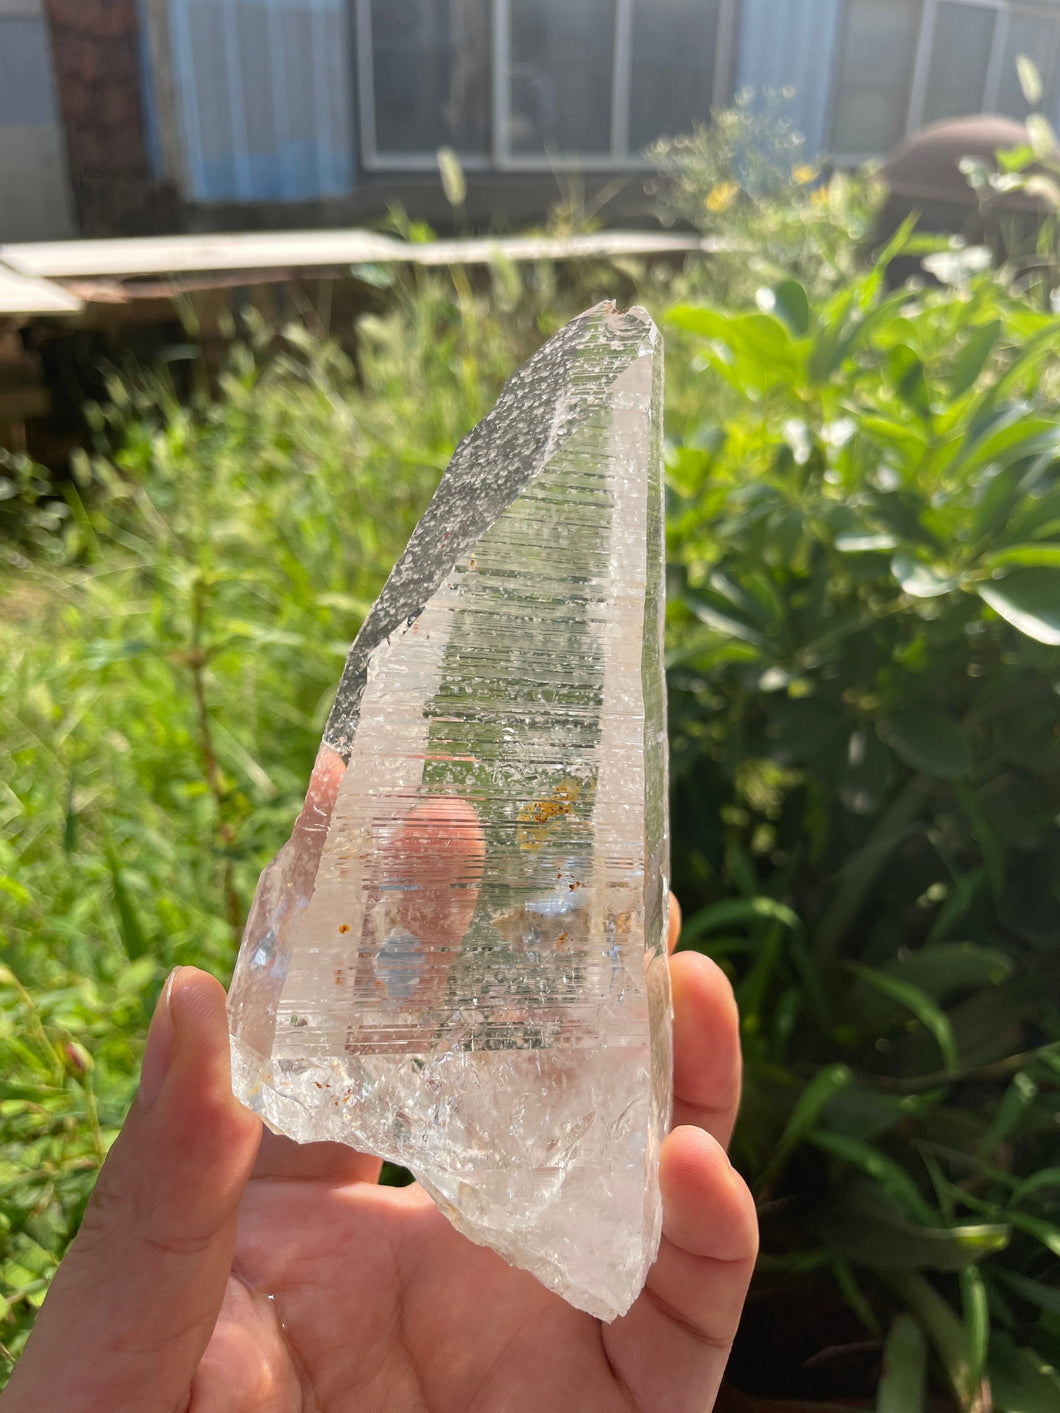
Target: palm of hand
column 310, row 1289
column 346, row 1295
column 376, row 1302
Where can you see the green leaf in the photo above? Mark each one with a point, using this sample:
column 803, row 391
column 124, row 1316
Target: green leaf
column 868, row 775
column 946, row 1332
column 132, row 934
column 1043, row 1178
column 865, row 544
column 892, row 1179
column 138, row 976
column 860, row 1111
column 698, row 319
column 865, row 1229
column 1015, row 159
column 736, row 911
column 760, row 350
column 1021, row 1381
column 1046, row 1297
column 973, row 358
column 1038, row 518
column 861, row 869
column 991, row 847
column 105, row 652
column 836, row 346
column 902, row 1384
column 976, row 1322
column 374, row 274
column 906, row 372
column 908, row 440
column 791, row 303
column 14, row 889
column 901, row 242
column 920, row 580
column 997, row 493
column 1036, row 348
column 1013, row 436
column 852, row 1293
column 928, row 742
column 1015, row 1102
column 804, row 1116
column 939, row 968
column 930, row 1016
column 1042, row 1231
column 963, row 893
column 728, row 609
column 1043, row 554
column 1029, row 599
column 1042, row 135
column 70, row 820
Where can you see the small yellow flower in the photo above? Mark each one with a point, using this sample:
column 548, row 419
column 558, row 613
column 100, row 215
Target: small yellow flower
column 820, row 197
column 804, row 173
column 721, row 197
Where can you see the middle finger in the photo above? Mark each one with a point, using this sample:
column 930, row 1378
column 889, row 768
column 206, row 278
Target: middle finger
column 707, row 1066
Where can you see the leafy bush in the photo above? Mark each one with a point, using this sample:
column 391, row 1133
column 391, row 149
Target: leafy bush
column 744, row 179
column 865, row 620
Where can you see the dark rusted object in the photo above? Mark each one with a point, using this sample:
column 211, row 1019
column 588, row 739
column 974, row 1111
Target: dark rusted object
column 924, row 176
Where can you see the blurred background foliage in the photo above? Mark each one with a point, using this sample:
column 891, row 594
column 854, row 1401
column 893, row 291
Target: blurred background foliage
column 865, row 617
column 864, row 624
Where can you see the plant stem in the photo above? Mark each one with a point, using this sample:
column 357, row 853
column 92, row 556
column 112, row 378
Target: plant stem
column 196, row 660
column 861, row 871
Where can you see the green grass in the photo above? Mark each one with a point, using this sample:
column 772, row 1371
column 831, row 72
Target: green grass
column 171, row 634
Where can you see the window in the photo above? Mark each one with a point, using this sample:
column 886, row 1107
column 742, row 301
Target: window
column 903, row 63
column 675, row 59
column 877, row 53
column 535, row 84
column 561, row 76
column 974, row 51
column 960, row 61
column 430, row 75
column 1039, row 39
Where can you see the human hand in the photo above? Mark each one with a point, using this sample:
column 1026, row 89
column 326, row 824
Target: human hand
column 216, row 1270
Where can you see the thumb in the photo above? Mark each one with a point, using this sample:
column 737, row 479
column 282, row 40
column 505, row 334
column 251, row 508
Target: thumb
column 133, row 1305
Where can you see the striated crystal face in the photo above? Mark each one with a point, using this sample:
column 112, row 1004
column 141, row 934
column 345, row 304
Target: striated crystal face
column 457, row 962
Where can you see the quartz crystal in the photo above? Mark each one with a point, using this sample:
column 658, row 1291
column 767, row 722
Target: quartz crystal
column 457, row 962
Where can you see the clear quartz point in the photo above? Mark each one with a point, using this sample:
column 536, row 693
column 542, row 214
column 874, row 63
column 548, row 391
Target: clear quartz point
column 457, row 962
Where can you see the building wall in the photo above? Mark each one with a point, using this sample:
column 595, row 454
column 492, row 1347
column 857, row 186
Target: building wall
column 263, row 92
column 35, row 199
column 791, row 44
column 112, row 112
column 97, row 56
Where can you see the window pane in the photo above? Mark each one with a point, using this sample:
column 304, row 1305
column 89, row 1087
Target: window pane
column 1036, row 38
column 672, row 83
column 876, row 59
column 960, row 57
column 430, row 68
column 561, row 59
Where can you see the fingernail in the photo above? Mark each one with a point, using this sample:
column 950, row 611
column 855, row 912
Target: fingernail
column 159, row 1049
